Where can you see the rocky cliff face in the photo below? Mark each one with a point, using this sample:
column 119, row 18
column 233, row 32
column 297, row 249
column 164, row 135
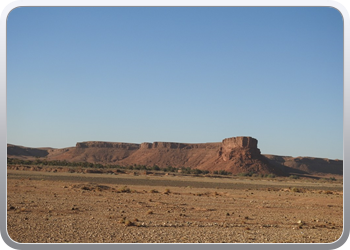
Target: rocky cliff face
column 246, row 145
column 101, row 144
column 240, row 142
column 177, row 145
column 242, row 155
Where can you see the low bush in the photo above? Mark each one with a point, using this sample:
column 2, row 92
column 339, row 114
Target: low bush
column 124, row 189
column 294, row 177
column 294, row 189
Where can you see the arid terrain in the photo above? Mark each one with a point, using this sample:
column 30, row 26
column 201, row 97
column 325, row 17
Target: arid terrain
column 165, row 192
column 127, row 207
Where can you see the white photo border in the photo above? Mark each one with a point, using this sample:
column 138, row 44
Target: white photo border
column 9, row 243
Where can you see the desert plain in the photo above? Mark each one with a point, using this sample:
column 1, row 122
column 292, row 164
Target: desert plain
column 131, row 207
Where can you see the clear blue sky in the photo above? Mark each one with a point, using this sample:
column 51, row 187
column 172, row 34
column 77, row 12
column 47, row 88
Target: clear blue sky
column 177, row 74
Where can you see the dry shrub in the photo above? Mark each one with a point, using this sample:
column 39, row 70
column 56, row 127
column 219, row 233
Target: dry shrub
column 296, row 190
column 124, row 189
column 91, row 187
column 128, row 223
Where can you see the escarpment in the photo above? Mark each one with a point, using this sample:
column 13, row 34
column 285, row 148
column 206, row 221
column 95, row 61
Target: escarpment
column 235, row 155
column 101, row 144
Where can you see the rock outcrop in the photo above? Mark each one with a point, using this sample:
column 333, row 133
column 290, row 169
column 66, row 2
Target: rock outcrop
column 231, row 146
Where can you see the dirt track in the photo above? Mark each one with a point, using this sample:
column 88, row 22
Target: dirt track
column 66, row 207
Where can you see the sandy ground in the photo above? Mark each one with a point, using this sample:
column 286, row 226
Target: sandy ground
column 70, row 207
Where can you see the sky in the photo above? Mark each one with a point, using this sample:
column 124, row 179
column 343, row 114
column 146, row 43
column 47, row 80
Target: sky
column 177, row 74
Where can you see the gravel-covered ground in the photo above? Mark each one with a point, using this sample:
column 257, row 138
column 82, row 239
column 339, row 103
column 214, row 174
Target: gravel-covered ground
column 55, row 208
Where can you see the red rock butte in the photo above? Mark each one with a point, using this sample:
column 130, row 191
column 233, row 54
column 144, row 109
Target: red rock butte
column 240, row 142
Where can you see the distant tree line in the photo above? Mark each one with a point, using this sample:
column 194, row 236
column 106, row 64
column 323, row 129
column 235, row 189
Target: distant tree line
column 184, row 170
column 64, row 163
